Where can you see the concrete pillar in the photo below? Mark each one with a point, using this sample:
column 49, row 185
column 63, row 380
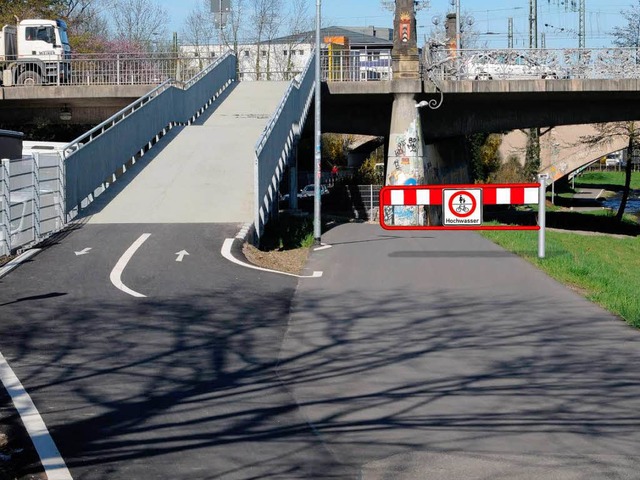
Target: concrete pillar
column 405, row 159
column 405, row 59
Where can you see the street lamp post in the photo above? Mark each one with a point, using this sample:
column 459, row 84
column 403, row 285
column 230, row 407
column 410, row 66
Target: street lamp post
column 317, row 134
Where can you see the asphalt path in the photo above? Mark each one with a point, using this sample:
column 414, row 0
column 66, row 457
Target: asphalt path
column 438, row 355
column 417, row 355
column 178, row 384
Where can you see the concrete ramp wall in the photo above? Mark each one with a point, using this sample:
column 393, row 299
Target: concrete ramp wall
column 561, row 150
column 205, row 173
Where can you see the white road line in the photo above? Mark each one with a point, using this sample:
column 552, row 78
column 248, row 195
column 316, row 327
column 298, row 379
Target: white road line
column 53, row 464
column 116, row 273
column 226, row 253
column 323, row 246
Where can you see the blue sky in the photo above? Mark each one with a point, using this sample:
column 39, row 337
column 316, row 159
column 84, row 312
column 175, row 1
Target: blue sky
column 490, row 18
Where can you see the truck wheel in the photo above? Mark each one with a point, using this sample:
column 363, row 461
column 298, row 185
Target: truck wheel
column 29, row 78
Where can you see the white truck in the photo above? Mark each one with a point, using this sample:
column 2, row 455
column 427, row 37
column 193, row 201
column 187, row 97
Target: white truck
column 35, row 52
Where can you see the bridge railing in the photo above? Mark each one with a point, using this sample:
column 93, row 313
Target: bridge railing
column 130, row 69
column 356, row 65
column 522, row 64
column 100, row 155
column 277, row 142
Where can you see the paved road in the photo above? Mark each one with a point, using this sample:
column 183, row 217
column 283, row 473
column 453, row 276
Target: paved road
column 439, row 355
column 416, row 356
column 177, row 385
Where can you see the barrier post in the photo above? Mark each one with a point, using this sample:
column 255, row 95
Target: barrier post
column 5, row 211
column 542, row 220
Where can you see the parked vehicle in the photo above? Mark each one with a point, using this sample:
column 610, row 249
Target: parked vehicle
column 613, row 159
column 309, row 191
column 35, row 52
column 504, row 65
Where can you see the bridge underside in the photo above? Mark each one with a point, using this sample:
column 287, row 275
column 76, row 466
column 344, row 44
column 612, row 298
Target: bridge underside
column 87, row 105
column 481, row 106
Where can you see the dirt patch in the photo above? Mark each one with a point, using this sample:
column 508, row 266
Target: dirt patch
column 289, row 261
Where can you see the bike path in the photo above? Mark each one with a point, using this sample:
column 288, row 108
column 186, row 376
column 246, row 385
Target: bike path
column 439, row 355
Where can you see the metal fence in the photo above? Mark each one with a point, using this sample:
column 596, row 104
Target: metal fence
column 32, row 192
column 514, row 64
column 356, row 65
column 129, row 69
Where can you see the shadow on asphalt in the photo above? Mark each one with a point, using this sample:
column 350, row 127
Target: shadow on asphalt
column 155, row 380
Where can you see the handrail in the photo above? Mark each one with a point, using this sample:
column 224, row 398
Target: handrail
column 77, row 143
column 274, row 117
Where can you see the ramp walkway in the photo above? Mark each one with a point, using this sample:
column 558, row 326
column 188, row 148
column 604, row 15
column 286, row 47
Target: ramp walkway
column 205, row 172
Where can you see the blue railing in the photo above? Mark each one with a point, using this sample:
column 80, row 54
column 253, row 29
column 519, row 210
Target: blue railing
column 97, row 155
column 275, row 147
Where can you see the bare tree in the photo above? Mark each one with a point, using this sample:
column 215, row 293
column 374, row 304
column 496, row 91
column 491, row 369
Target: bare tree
column 199, row 30
column 264, row 18
column 629, row 34
column 606, row 132
column 299, row 25
column 231, row 31
column 140, row 21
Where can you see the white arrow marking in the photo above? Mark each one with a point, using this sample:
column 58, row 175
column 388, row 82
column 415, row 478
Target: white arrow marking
column 116, row 273
column 181, row 255
column 84, row 251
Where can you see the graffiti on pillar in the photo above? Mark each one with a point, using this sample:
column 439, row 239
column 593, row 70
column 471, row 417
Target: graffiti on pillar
column 407, row 161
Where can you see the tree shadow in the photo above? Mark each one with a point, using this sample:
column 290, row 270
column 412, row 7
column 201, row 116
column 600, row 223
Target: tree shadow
column 224, row 385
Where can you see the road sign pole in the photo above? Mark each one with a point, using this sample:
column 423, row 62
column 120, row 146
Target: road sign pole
column 542, row 220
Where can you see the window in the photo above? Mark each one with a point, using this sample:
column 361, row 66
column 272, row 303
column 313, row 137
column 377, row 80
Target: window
column 284, row 52
column 264, row 53
column 46, row 34
column 246, row 53
column 301, row 52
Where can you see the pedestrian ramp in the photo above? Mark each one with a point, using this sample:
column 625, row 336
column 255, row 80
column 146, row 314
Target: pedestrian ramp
column 202, row 173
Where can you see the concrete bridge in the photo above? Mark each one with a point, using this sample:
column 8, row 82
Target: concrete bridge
column 422, row 117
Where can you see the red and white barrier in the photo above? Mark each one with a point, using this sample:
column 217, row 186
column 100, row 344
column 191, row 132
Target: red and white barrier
column 462, row 204
column 516, row 194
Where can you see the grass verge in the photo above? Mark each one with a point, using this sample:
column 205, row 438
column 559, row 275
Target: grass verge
column 604, row 268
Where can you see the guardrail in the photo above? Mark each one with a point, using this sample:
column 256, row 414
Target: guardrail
column 515, row 64
column 276, row 144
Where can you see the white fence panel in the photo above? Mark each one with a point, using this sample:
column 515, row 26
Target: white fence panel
column 5, row 245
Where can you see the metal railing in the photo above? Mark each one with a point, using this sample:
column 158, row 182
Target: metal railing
column 514, row 64
column 116, row 143
column 129, row 69
column 356, row 65
column 32, row 192
column 277, row 142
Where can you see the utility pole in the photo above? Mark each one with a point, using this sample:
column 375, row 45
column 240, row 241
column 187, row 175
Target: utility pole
column 510, row 33
column 317, row 227
column 533, row 23
column 581, row 24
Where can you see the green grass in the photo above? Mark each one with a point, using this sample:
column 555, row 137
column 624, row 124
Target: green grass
column 605, row 268
column 606, row 180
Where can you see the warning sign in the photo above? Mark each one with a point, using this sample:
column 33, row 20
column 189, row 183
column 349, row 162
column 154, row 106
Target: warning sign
column 462, row 207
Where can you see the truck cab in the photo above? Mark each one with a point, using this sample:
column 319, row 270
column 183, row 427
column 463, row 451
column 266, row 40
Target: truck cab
column 39, row 52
